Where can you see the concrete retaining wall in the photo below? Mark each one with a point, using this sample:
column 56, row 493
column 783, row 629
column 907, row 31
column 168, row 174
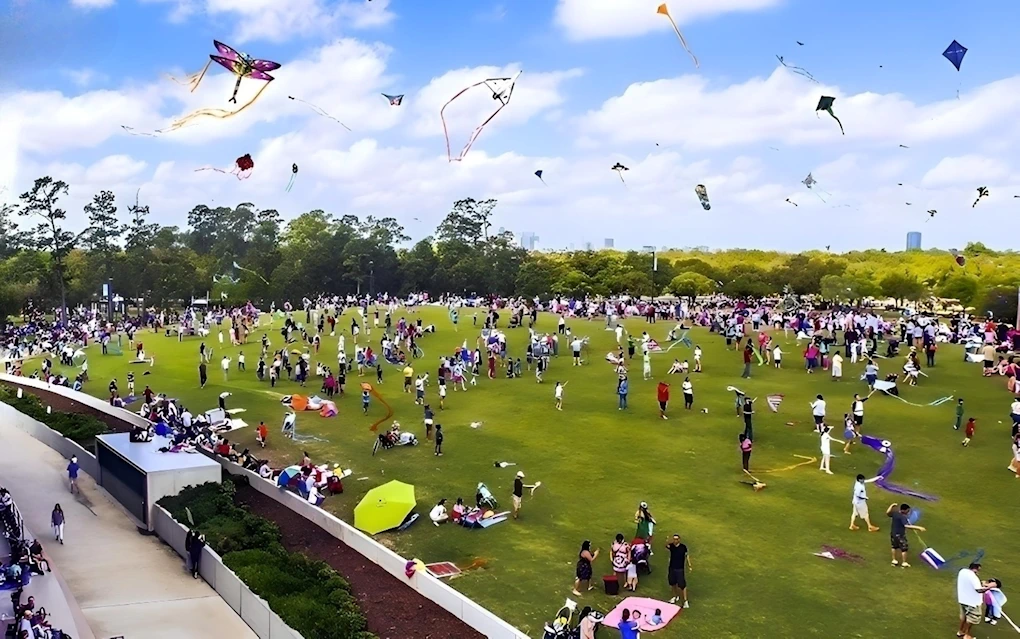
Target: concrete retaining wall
column 50, row 437
column 250, row 607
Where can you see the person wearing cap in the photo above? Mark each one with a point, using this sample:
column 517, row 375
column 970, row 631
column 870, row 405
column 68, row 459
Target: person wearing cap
column 519, row 487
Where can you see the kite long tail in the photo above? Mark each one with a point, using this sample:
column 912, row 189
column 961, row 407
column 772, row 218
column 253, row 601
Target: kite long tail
column 193, row 80
column 239, row 267
column 837, row 121
column 665, row 11
column 319, row 111
column 290, row 183
column 220, row 114
column 389, row 410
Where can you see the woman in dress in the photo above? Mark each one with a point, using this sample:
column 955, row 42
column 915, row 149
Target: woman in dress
column 583, row 574
column 645, row 523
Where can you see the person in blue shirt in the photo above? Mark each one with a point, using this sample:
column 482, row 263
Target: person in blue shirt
column 621, row 389
column 72, row 474
column 628, row 627
column 365, row 398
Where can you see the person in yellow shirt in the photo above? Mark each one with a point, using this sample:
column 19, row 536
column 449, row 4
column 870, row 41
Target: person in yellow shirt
column 408, row 378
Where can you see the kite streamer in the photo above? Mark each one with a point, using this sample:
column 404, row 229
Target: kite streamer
column 937, row 402
column 319, row 111
column 885, row 447
column 243, row 166
column 797, row 70
column 293, row 176
column 664, row 10
column 501, row 95
column 389, row 410
column 619, row 168
column 241, row 268
column 807, row 460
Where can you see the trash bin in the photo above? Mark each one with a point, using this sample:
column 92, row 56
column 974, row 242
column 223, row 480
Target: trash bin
column 612, row 585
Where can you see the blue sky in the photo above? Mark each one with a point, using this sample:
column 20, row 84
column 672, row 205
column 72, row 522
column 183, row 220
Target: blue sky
column 582, row 111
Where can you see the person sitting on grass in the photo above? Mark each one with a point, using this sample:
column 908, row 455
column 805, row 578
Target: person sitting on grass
column 438, row 514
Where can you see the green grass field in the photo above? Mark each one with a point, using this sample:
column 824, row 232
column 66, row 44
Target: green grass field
column 753, row 570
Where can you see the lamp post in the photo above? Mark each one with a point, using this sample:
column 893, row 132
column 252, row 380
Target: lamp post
column 371, row 278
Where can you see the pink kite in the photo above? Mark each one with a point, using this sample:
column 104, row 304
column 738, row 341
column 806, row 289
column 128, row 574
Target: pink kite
column 647, row 608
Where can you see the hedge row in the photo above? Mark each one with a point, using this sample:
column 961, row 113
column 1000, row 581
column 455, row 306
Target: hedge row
column 81, row 429
column 309, row 595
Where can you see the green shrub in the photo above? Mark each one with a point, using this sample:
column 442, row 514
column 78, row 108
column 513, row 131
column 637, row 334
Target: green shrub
column 308, row 594
column 81, row 429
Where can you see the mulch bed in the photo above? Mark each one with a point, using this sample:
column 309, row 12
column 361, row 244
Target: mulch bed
column 64, row 405
column 392, row 610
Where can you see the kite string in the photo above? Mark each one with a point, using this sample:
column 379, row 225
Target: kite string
column 478, row 129
column 683, row 43
column 221, row 114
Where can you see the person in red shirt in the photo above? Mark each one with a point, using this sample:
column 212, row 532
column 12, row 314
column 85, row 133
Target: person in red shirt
column 968, row 431
column 261, row 434
column 663, row 394
column 748, row 350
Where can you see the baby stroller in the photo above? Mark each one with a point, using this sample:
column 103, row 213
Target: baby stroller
column 641, row 553
column 484, row 498
column 560, row 627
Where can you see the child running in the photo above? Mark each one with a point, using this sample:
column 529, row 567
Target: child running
column 558, row 393
column 968, row 432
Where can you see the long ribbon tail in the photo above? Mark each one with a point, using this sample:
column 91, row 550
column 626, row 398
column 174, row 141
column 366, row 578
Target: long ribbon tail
column 320, row 112
column 1006, row 617
column 290, row 183
column 253, row 273
column 798, row 70
column 389, row 410
column 683, row 42
column 193, row 80
column 221, row 114
column 836, row 120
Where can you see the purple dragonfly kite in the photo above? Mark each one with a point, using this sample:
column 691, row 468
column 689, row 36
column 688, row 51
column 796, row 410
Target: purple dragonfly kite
column 243, row 66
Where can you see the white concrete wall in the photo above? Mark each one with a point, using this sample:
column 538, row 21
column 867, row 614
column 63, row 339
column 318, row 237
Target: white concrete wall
column 50, row 437
column 428, row 586
column 252, row 608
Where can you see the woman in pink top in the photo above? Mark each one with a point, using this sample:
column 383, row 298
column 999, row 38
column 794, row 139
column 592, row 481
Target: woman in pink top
column 811, row 357
column 745, row 450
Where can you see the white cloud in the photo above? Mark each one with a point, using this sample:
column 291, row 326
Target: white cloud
column 592, row 19
column 689, row 111
column 968, row 170
column 92, row 4
column 278, row 21
column 532, row 94
column 84, row 77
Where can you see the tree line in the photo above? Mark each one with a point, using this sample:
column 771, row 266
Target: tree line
column 42, row 261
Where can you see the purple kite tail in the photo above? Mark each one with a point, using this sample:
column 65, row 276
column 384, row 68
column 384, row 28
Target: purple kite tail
column 884, row 447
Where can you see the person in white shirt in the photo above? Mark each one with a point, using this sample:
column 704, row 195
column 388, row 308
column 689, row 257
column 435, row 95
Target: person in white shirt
column 288, row 425
column 575, row 347
column 826, row 446
column 558, row 393
column 697, row 359
column 860, row 503
column 837, row 367
column 225, row 365
column 265, row 472
column 777, row 357
column 619, row 333
column 818, row 411
column 186, row 418
column 438, row 513
column 968, row 594
column 688, row 389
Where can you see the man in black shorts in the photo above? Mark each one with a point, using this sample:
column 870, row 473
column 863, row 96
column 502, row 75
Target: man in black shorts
column 678, row 560
column 899, row 513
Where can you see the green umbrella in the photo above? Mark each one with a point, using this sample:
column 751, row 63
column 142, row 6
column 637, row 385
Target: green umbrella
column 384, row 507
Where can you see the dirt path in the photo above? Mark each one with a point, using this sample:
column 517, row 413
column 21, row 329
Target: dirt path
column 393, row 610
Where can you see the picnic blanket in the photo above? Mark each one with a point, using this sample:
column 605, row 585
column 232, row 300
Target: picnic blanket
column 647, row 607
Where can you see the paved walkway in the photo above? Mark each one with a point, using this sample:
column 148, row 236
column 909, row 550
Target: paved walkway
column 125, row 583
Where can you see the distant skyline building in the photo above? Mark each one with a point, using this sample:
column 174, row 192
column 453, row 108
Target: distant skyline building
column 914, row 241
column 587, row 246
column 529, row 240
column 609, row 243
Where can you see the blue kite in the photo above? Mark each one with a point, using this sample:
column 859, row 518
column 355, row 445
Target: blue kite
column 954, row 53
column 538, row 174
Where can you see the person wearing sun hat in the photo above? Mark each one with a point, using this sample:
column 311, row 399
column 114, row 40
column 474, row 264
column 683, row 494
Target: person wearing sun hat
column 519, row 487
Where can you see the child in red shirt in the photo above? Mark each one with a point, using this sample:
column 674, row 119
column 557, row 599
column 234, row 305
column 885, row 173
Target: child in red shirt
column 662, row 393
column 968, row 431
